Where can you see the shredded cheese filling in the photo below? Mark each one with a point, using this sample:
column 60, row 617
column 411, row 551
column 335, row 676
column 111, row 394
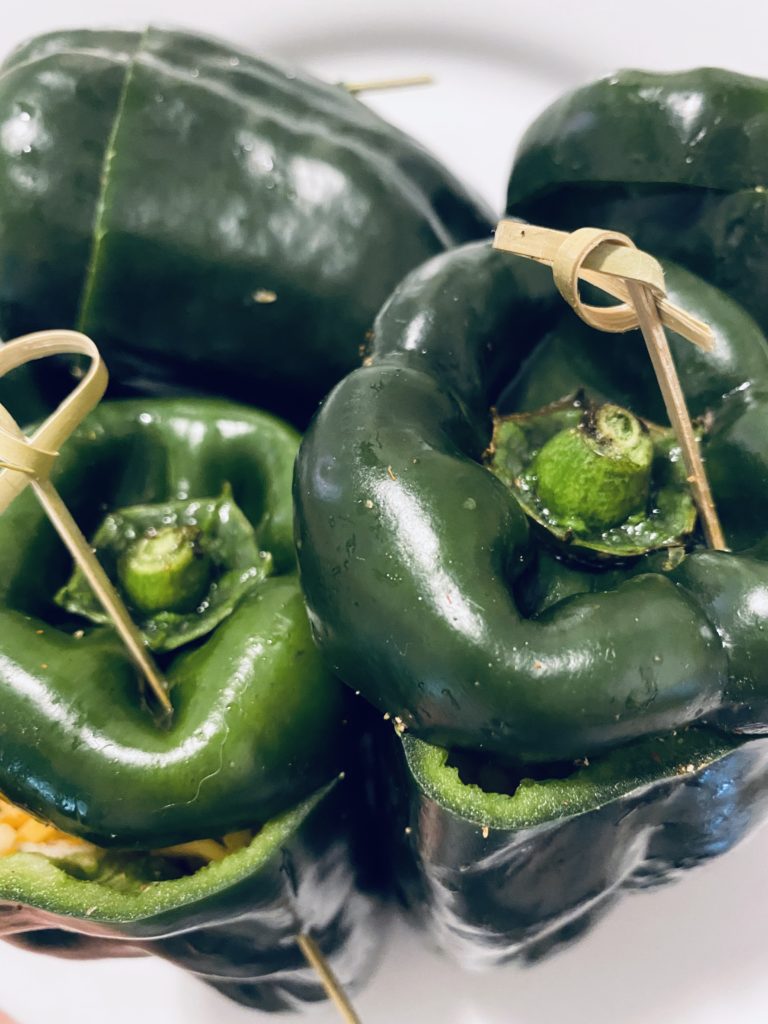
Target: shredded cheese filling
column 208, row 849
column 20, row 832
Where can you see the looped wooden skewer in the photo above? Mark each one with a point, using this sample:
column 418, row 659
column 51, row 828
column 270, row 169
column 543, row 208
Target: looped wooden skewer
column 34, row 457
column 608, row 260
column 569, row 260
column 28, row 461
column 611, row 261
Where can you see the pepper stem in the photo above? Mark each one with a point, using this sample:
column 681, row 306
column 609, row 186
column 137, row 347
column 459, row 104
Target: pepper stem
column 165, row 571
column 597, row 474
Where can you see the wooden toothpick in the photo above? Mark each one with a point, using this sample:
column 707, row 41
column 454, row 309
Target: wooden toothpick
column 612, row 262
column 674, row 400
column 328, row 979
column 381, row 84
column 27, row 462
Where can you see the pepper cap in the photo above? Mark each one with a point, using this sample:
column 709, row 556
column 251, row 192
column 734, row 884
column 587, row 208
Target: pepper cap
column 601, row 482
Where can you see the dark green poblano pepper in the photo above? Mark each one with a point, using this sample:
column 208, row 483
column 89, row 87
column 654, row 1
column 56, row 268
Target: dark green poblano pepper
column 218, row 222
column 24, row 396
column 677, row 161
column 575, row 698
column 215, row 840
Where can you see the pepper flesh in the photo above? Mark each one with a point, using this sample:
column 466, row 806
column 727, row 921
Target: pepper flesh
column 496, row 875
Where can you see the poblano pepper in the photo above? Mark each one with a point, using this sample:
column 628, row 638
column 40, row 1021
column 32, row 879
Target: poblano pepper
column 502, row 864
column 215, row 840
column 551, row 709
column 220, row 223
column 677, row 161
column 24, row 396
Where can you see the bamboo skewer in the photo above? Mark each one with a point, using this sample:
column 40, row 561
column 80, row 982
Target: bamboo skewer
column 674, row 400
column 611, row 261
column 607, row 259
column 27, row 462
column 99, row 582
column 328, row 979
column 382, row 84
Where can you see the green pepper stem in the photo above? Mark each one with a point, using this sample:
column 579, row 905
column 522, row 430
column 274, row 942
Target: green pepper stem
column 165, row 571
column 596, row 475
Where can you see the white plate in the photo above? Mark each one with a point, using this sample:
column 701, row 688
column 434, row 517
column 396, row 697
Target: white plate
column 693, row 953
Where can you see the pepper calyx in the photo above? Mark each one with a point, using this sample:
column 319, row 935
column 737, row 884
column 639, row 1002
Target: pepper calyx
column 182, row 567
column 598, row 480
column 596, row 474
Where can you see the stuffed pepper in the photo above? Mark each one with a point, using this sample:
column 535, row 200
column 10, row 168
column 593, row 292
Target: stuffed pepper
column 524, row 593
column 216, row 839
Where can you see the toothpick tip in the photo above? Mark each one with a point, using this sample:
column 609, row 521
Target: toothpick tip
column 382, row 84
column 330, row 983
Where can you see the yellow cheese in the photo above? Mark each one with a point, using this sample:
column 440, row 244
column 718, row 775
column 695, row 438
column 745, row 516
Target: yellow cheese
column 18, row 828
column 7, row 839
column 208, row 849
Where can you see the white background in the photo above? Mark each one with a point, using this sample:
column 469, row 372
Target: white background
column 694, row 953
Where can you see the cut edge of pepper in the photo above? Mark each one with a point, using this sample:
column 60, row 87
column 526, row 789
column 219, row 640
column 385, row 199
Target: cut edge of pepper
column 592, row 784
column 38, row 881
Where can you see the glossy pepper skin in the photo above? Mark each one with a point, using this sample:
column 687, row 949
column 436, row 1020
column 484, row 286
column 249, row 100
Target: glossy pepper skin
column 218, row 222
column 410, row 549
column 258, row 738
column 677, row 161
column 23, row 396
